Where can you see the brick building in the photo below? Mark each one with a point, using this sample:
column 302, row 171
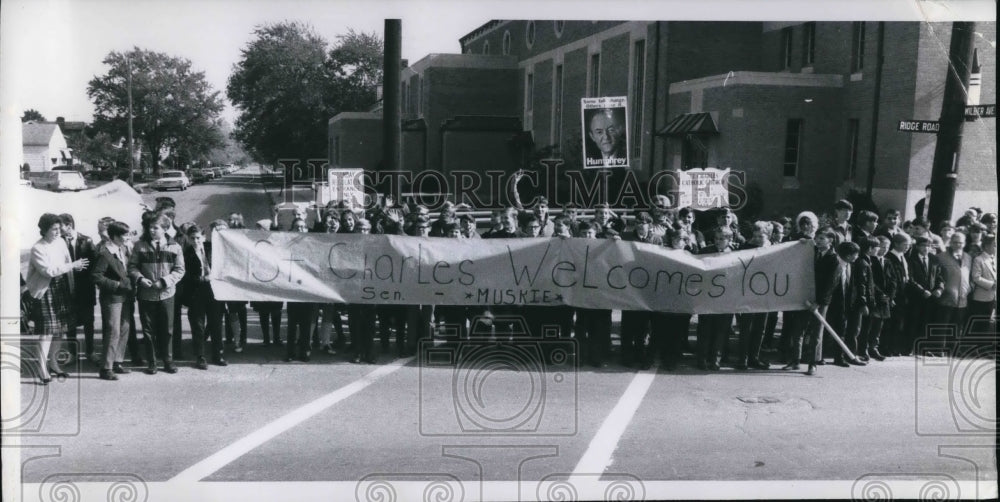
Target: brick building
column 790, row 104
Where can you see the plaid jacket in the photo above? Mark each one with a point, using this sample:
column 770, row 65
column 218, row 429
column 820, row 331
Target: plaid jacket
column 163, row 264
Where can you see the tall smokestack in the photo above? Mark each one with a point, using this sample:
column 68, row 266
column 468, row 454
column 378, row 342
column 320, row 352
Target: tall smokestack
column 390, row 94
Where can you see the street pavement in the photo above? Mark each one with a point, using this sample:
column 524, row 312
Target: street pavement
column 490, row 418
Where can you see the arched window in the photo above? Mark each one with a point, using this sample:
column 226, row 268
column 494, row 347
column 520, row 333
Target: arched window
column 486, row 47
column 506, row 43
column 529, row 34
column 558, row 26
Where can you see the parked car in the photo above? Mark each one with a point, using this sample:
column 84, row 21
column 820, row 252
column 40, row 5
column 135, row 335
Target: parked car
column 25, row 183
column 58, row 181
column 197, row 175
column 218, row 171
column 171, row 179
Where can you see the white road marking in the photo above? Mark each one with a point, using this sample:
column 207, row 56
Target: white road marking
column 597, row 458
column 236, row 450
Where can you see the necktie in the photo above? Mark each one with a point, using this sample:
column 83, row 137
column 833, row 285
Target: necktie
column 72, row 249
column 204, row 264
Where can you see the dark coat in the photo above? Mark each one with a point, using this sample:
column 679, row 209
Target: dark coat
column 196, row 289
column 898, row 275
column 884, row 285
column 111, row 277
column 84, row 293
column 922, row 278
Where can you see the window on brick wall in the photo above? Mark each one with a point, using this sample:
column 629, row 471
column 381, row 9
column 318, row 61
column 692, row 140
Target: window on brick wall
column 793, row 147
column 595, row 75
column 557, row 91
column 529, row 92
column 420, row 97
column 808, row 44
column 529, row 34
column 853, row 132
column 557, row 27
column 857, row 46
column 638, row 89
column 786, row 48
column 486, row 47
column 505, row 48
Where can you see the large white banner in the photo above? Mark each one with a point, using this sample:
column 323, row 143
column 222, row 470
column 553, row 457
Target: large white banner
column 379, row 269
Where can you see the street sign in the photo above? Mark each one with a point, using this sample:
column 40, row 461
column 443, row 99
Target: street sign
column 931, row 126
column 975, row 111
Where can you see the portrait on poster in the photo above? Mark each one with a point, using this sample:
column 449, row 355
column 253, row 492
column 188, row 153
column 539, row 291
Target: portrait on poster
column 605, row 132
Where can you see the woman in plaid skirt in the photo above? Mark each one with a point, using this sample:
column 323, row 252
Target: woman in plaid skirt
column 51, row 287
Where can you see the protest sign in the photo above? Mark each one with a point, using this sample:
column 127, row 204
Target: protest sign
column 385, row 269
column 703, row 188
column 605, row 132
column 343, row 185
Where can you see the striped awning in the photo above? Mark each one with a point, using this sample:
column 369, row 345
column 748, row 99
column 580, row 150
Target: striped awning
column 690, row 123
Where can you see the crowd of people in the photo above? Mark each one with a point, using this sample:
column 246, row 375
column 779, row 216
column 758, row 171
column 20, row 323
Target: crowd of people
column 879, row 283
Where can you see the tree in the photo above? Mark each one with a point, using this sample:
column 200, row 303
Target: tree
column 286, row 87
column 32, row 114
column 174, row 107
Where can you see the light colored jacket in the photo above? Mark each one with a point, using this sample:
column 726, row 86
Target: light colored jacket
column 163, row 265
column 956, row 279
column 984, row 278
column 48, row 260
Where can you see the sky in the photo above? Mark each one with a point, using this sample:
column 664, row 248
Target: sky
column 50, row 49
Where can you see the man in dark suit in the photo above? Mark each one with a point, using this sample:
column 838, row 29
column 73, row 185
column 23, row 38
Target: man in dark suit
column 84, row 293
column 925, row 286
column 110, row 275
column 897, row 266
column 836, row 289
column 204, row 311
column 714, row 329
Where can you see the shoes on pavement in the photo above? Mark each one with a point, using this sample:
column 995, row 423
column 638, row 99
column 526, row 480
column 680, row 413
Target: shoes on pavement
column 742, row 366
column 863, row 357
column 107, row 375
column 714, row 367
column 760, row 365
column 356, row 360
column 792, row 367
column 289, row 359
column 150, row 370
column 218, row 361
column 812, row 370
column 119, row 369
column 201, row 364
column 857, row 362
column 842, row 364
column 820, row 363
column 170, row 368
column 238, row 349
column 138, row 362
column 874, row 354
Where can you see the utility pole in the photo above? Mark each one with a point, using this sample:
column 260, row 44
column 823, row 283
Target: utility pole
column 944, row 174
column 131, row 154
column 390, row 94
